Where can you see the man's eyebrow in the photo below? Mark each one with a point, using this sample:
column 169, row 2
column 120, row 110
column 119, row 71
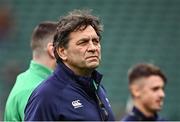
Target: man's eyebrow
column 84, row 38
column 95, row 37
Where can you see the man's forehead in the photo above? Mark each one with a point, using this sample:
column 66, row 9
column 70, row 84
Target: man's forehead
column 89, row 32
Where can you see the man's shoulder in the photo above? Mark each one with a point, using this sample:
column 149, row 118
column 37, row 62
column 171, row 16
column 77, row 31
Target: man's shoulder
column 46, row 88
column 17, row 90
column 24, row 85
column 24, row 77
column 28, row 75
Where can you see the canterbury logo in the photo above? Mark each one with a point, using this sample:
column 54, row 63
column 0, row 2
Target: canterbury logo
column 77, row 104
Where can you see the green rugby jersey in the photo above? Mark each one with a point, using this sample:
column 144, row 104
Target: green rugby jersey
column 25, row 83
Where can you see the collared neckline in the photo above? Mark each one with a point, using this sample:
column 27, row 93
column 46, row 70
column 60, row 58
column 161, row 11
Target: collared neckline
column 69, row 76
column 40, row 69
column 141, row 116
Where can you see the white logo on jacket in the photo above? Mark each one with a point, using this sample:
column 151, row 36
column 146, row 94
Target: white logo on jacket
column 77, row 104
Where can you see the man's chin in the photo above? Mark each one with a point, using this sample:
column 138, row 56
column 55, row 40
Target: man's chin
column 93, row 65
column 158, row 109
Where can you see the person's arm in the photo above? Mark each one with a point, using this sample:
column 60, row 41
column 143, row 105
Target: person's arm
column 39, row 108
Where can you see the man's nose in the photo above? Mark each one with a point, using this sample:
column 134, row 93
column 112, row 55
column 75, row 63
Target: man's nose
column 91, row 46
column 162, row 94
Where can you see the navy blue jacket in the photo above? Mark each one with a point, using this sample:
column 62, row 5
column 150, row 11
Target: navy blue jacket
column 137, row 115
column 66, row 96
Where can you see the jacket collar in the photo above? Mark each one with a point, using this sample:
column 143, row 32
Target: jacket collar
column 65, row 73
column 142, row 117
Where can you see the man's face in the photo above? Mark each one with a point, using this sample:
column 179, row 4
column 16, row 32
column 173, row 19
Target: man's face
column 83, row 51
column 152, row 93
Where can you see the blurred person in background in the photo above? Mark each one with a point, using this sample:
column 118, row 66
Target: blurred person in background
column 74, row 91
column 146, row 84
column 41, row 66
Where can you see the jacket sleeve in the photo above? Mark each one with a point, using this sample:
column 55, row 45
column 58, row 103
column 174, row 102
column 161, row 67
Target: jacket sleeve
column 39, row 108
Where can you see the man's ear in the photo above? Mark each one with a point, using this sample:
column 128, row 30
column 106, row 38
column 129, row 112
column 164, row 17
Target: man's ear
column 135, row 90
column 50, row 49
column 62, row 52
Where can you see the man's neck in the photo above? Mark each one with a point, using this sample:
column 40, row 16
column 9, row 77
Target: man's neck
column 45, row 62
column 143, row 110
column 80, row 71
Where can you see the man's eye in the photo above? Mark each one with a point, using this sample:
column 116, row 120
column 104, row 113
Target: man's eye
column 82, row 42
column 96, row 41
column 155, row 88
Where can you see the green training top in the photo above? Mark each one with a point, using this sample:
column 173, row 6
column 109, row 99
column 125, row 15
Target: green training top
column 25, row 83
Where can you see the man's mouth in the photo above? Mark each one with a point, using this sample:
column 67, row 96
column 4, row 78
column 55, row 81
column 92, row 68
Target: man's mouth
column 160, row 102
column 92, row 57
